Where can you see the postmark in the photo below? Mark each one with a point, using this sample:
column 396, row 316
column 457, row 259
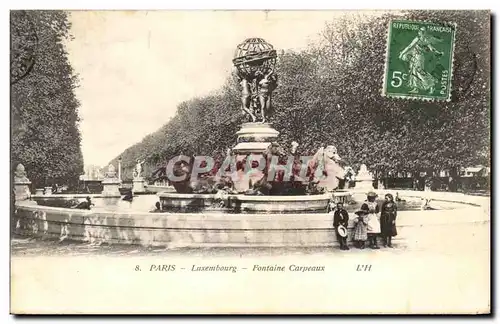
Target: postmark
column 24, row 42
column 419, row 62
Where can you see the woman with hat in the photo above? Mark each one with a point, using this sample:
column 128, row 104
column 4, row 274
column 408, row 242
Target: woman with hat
column 360, row 224
column 373, row 227
column 340, row 220
column 388, row 220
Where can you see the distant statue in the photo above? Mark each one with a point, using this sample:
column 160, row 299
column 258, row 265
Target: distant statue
column 111, row 173
column 138, row 168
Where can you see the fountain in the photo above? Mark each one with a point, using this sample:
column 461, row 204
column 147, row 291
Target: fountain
column 257, row 153
column 270, row 196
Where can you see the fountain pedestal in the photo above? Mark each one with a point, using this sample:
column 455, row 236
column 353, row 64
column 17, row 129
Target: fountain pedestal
column 253, row 138
column 110, row 187
column 111, row 183
column 22, row 190
column 138, row 185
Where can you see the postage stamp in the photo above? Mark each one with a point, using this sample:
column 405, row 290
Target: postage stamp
column 419, row 60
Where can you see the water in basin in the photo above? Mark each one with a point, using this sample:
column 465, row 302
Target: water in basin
column 145, row 203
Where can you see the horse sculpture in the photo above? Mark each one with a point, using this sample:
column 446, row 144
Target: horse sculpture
column 295, row 185
column 323, row 173
column 208, row 182
column 327, row 169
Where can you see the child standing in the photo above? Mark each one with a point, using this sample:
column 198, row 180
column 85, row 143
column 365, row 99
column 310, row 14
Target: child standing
column 373, row 227
column 341, row 218
column 388, row 220
column 360, row 225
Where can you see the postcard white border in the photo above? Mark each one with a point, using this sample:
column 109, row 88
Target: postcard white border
column 187, row 4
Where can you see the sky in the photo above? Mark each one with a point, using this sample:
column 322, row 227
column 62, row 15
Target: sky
column 135, row 67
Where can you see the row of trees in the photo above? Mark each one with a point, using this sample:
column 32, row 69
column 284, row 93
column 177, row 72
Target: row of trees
column 44, row 109
column 331, row 94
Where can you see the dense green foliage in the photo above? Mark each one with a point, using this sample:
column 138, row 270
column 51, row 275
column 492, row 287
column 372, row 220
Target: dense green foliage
column 331, row 94
column 44, row 109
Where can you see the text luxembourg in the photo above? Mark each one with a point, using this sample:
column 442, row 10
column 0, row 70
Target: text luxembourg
column 260, row 268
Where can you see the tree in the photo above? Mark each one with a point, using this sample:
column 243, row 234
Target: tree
column 44, row 109
column 397, row 135
column 330, row 93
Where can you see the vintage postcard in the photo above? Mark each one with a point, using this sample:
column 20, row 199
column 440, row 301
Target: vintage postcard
column 250, row 162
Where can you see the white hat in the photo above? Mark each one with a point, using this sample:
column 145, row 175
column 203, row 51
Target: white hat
column 342, row 231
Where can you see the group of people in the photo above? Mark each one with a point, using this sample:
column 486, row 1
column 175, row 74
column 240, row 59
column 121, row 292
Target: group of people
column 370, row 222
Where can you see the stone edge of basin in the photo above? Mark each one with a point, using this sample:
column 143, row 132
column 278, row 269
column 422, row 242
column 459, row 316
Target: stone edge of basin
column 248, row 197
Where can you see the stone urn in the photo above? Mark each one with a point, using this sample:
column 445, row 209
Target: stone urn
column 111, row 183
column 21, row 184
column 364, row 179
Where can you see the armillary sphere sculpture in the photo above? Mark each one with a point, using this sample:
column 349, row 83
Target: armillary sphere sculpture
column 255, row 61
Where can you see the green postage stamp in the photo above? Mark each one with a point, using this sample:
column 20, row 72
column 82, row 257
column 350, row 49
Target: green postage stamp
column 419, row 60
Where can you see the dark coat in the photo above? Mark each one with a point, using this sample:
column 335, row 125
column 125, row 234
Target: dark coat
column 340, row 217
column 389, row 212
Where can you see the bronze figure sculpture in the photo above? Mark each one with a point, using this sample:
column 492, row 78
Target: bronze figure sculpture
column 254, row 61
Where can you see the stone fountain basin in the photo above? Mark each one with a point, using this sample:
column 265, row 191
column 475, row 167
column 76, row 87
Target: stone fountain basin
column 208, row 229
column 248, row 203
